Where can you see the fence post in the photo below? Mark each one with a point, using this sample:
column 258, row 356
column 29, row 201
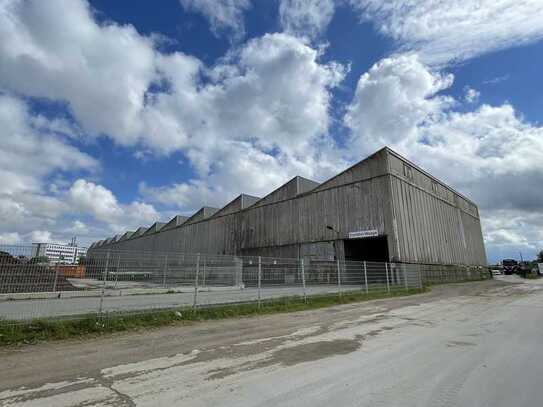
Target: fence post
column 101, row 306
column 365, row 277
column 182, row 274
column 106, row 270
column 386, row 271
column 338, row 278
column 204, row 272
column 303, row 280
column 164, row 271
column 117, row 270
column 259, row 280
column 196, row 281
column 405, row 278
column 420, row 276
column 56, row 278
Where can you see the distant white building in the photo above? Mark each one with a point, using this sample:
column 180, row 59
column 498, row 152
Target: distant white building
column 59, row 253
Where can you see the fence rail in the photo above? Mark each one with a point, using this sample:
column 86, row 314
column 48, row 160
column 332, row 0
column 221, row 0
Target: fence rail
column 112, row 281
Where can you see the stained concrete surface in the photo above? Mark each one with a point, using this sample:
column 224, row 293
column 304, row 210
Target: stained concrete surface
column 476, row 344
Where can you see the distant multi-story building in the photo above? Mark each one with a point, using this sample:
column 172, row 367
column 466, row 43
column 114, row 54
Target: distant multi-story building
column 59, row 253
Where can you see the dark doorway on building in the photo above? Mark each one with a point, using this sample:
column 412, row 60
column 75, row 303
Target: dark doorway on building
column 369, row 249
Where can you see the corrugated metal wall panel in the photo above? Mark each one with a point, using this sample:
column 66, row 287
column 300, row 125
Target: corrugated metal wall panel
column 430, row 229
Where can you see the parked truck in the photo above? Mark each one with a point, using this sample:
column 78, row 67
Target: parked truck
column 510, row 266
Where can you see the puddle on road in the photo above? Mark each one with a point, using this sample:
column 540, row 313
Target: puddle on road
column 292, row 355
column 308, row 352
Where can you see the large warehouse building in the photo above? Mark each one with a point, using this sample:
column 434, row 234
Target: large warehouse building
column 384, row 208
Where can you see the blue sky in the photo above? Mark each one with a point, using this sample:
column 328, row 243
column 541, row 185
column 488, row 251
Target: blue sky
column 160, row 110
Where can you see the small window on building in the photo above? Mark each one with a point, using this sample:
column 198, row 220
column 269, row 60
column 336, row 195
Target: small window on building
column 408, row 172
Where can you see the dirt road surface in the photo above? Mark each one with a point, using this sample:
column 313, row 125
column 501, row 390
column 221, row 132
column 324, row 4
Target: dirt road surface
column 476, row 344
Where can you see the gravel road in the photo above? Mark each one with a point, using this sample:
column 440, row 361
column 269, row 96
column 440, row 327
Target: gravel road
column 476, row 344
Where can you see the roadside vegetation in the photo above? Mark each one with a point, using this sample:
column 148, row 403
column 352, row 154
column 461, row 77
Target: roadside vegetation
column 13, row 333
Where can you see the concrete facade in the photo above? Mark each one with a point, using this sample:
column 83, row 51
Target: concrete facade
column 59, row 253
column 384, row 208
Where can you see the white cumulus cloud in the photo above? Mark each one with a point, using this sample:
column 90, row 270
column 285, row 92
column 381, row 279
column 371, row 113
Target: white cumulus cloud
column 102, row 71
column 441, row 31
column 10, row 238
column 263, row 118
column 491, row 154
column 221, row 14
column 87, row 197
column 41, row 236
column 306, row 17
column 260, row 114
column 394, row 98
column 471, row 95
column 34, row 148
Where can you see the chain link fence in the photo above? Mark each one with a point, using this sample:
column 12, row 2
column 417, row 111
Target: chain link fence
column 110, row 281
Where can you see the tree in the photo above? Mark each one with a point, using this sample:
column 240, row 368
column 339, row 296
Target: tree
column 39, row 259
column 7, row 258
column 540, row 257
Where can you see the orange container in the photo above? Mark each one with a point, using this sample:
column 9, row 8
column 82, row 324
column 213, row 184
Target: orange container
column 72, row 271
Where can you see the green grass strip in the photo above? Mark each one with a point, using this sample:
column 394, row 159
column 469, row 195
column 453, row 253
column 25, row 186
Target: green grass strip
column 13, row 333
column 472, row 280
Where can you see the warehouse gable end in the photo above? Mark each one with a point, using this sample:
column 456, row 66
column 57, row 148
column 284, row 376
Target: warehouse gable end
column 296, row 186
column 203, row 213
column 373, row 166
column 240, row 202
column 139, row 231
column 126, row 235
column 154, row 228
column 175, row 222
